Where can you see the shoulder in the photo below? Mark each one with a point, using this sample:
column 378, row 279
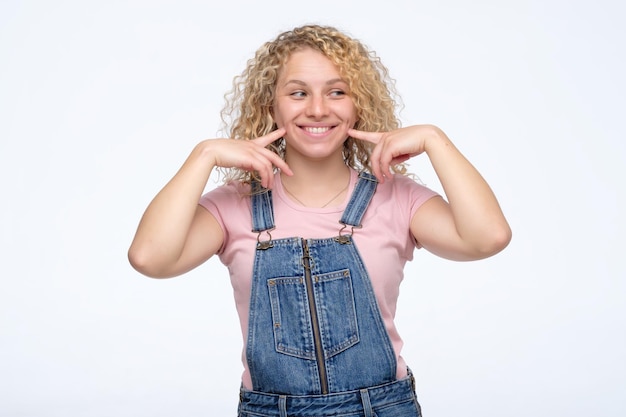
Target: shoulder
column 228, row 203
column 230, row 193
column 400, row 197
column 405, row 188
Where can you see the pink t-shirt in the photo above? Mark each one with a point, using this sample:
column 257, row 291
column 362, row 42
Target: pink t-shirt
column 384, row 242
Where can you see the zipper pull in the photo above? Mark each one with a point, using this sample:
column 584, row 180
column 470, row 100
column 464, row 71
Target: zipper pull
column 306, row 257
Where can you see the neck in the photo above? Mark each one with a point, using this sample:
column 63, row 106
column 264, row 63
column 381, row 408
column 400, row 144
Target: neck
column 316, row 171
column 318, row 183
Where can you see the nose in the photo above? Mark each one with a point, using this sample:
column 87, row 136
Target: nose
column 317, row 107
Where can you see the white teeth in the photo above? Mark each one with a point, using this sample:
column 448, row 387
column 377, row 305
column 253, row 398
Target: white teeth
column 317, row 129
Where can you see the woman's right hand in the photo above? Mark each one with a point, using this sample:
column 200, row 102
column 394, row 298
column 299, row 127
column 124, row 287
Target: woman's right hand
column 249, row 155
column 175, row 234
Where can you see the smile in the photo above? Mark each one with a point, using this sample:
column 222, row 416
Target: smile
column 317, row 130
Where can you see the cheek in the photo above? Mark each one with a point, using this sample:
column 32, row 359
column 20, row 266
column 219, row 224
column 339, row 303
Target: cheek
column 351, row 115
column 277, row 116
column 349, row 109
column 280, row 113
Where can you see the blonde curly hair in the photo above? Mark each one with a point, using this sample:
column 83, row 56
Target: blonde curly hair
column 247, row 113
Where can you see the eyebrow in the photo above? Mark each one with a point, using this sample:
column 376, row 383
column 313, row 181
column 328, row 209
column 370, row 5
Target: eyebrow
column 329, row 82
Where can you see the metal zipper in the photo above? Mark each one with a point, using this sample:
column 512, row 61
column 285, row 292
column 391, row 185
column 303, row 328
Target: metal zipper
column 317, row 340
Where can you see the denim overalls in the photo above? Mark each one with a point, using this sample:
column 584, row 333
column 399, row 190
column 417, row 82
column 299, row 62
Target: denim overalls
column 317, row 345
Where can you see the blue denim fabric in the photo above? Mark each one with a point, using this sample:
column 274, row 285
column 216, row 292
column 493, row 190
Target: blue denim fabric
column 263, row 214
column 361, row 197
column 394, row 399
column 317, row 344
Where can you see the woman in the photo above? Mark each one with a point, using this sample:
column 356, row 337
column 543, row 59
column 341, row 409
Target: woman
column 315, row 223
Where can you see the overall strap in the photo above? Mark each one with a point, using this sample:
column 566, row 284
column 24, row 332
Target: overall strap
column 360, row 199
column 262, row 208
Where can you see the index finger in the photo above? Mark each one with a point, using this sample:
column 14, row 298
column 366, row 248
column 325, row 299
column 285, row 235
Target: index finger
column 372, row 137
column 276, row 160
column 270, row 137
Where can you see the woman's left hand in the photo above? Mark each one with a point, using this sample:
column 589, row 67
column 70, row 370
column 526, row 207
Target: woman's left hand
column 394, row 147
column 471, row 224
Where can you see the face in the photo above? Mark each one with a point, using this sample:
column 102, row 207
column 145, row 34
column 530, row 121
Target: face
column 314, row 106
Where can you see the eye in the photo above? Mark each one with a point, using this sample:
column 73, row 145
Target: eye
column 298, row 94
column 337, row 93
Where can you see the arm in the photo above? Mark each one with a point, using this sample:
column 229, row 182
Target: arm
column 471, row 224
column 175, row 234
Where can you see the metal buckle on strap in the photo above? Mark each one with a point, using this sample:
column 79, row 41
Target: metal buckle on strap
column 345, row 239
column 265, row 244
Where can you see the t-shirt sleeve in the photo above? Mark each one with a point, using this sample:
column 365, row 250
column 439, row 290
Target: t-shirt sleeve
column 419, row 195
column 226, row 203
column 416, row 194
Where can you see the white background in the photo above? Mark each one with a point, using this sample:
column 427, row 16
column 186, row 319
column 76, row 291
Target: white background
column 100, row 102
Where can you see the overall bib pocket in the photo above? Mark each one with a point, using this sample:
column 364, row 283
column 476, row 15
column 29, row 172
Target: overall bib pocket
column 333, row 301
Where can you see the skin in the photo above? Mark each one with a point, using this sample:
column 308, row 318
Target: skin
column 313, row 105
column 314, row 113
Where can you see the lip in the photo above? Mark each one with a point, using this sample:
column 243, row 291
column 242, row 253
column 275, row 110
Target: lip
column 317, row 130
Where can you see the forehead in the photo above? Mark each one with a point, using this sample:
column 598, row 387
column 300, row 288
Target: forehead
column 308, row 63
